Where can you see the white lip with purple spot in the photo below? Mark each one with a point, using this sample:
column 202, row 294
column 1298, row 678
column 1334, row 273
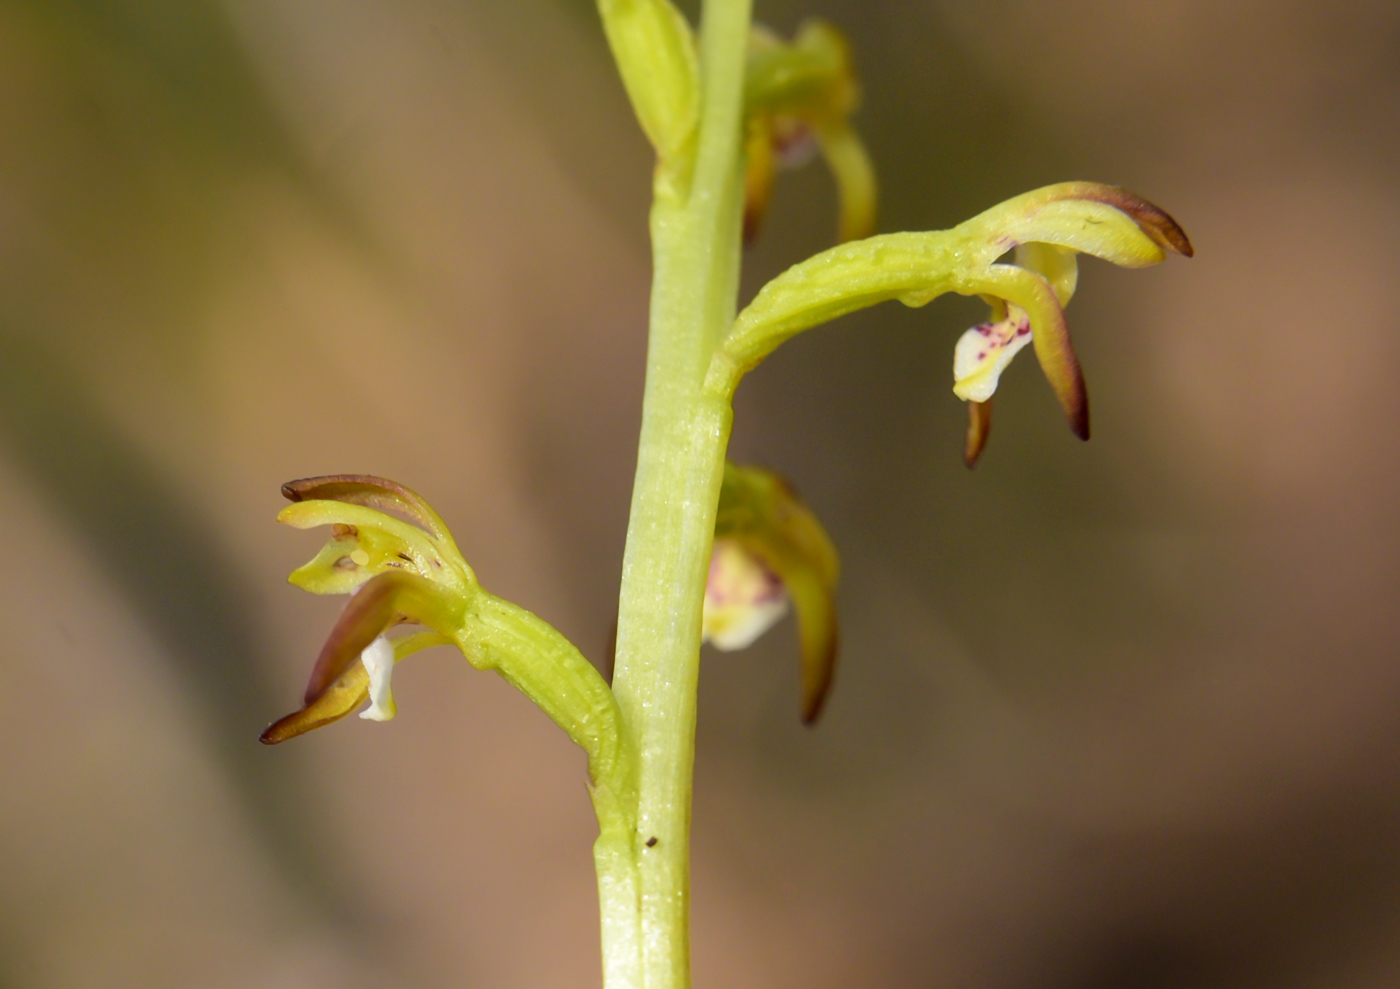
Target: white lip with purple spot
column 743, row 598
column 984, row 351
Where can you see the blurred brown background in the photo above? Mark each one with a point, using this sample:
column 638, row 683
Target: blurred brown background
column 1124, row 714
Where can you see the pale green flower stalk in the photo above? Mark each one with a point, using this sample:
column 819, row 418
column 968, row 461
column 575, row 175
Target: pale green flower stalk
column 714, row 551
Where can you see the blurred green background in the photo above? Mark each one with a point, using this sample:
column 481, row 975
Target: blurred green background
column 1123, row 714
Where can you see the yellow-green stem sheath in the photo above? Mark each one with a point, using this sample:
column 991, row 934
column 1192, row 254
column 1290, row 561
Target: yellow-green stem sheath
column 695, row 226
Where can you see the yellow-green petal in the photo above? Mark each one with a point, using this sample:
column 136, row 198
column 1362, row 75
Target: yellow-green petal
column 432, row 558
column 1049, row 334
column 1057, row 265
column 352, row 556
column 855, row 180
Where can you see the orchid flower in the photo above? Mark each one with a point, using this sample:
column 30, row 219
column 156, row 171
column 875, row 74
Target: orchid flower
column 769, row 549
column 798, row 100
column 1045, row 230
column 394, row 555
column 983, row 352
column 399, row 568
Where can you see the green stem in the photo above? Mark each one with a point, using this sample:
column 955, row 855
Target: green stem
column 695, row 243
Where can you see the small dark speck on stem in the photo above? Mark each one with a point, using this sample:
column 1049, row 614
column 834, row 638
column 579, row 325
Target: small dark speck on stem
column 651, row 842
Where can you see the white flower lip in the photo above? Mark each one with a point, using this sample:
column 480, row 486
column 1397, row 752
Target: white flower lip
column 378, row 658
column 743, row 598
column 983, row 352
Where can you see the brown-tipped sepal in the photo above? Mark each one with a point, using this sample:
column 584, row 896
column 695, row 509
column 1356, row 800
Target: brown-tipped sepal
column 378, row 493
column 388, row 600
column 1089, row 217
column 814, row 601
column 366, row 680
column 377, row 525
column 770, row 549
column 347, row 692
column 1034, row 315
column 1156, row 222
column 979, row 428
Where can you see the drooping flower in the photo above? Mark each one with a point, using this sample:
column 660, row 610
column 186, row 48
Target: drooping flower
column 1044, row 230
column 985, row 351
column 769, row 550
column 393, row 554
column 798, row 100
column 400, row 568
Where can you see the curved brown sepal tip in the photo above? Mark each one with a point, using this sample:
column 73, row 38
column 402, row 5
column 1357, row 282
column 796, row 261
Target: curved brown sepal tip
column 282, row 729
column 753, row 221
column 1074, row 399
column 1079, row 417
column 299, row 723
column 815, row 693
column 346, row 694
column 1156, row 222
column 979, row 427
column 365, row 489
